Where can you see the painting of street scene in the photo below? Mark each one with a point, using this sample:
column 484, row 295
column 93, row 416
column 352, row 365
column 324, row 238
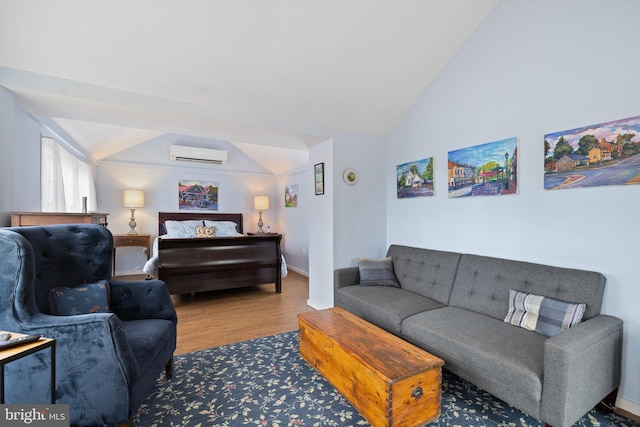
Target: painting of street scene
column 591, row 156
column 415, row 179
column 197, row 195
column 489, row 169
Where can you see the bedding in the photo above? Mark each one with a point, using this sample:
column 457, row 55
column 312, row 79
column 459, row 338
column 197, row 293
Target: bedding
column 151, row 266
column 188, row 263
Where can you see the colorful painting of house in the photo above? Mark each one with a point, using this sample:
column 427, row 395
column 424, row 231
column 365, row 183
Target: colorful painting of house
column 415, row 179
column 596, row 155
column 484, row 170
column 197, row 195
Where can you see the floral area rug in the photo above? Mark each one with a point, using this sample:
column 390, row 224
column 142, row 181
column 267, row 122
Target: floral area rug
column 266, row 382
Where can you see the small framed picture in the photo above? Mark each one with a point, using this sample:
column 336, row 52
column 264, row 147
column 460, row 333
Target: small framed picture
column 319, row 178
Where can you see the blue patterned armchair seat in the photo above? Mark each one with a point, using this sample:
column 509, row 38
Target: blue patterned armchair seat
column 106, row 362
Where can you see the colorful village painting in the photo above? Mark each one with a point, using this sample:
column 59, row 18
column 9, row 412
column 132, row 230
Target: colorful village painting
column 197, row 195
column 415, row 179
column 590, row 156
column 489, row 169
column 291, row 196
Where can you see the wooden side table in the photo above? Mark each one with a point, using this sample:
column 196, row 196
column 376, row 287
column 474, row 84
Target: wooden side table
column 137, row 240
column 18, row 352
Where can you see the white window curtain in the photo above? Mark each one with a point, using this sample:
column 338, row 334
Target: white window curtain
column 65, row 180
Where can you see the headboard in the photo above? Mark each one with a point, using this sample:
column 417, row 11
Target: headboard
column 182, row 216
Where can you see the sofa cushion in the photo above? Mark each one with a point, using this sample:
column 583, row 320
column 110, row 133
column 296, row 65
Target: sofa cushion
column 503, row 360
column 482, row 284
column 377, row 272
column 81, row 299
column 544, row 315
column 383, row 306
column 426, row 272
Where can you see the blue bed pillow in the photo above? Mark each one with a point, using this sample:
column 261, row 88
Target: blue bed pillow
column 81, row 299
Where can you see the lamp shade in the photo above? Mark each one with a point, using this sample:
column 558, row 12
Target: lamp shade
column 261, row 203
column 133, row 198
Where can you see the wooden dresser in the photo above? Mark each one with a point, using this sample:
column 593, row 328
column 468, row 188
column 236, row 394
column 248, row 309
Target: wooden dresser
column 21, row 219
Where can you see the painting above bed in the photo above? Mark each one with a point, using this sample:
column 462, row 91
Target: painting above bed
column 197, row 195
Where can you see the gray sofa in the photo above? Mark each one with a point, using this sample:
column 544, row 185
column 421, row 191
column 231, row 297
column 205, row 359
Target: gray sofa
column 453, row 305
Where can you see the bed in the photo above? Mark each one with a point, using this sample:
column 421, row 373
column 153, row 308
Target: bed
column 189, row 264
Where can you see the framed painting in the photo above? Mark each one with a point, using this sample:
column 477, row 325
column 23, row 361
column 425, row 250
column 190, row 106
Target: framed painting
column 591, row 156
column 489, row 169
column 318, row 171
column 291, row 196
column 415, row 179
column 197, row 195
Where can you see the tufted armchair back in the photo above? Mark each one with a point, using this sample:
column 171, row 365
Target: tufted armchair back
column 67, row 255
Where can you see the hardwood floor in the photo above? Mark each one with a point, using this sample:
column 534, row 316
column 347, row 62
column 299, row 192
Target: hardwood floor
column 211, row 319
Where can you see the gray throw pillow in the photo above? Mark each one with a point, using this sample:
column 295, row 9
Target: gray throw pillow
column 377, row 272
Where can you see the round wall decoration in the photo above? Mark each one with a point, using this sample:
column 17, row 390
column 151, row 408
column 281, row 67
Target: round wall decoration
column 350, row 176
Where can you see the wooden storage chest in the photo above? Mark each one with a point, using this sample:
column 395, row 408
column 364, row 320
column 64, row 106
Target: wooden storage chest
column 388, row 380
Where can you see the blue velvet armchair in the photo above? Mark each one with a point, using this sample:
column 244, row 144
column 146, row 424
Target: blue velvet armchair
column 106, row 363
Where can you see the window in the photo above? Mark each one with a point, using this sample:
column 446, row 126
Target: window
column 65, row 180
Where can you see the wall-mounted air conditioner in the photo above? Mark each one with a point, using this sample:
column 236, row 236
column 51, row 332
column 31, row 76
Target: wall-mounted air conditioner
column 195, row 154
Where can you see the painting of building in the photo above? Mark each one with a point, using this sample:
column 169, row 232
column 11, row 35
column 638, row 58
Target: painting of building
column 415, row 179
column 596, row 155
column 484, row 170
column 197, row 195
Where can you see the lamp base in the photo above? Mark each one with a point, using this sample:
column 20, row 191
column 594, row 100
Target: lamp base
column 260, row 224
column 132, row 223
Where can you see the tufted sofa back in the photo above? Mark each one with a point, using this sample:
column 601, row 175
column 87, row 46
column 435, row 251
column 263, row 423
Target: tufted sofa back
column 482, row 284
column 67, row 255
column 424, row 271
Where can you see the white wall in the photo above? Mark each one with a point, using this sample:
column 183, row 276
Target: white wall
column 321, row 233
column 7, row 108
column 293, row 222
column 533, row 68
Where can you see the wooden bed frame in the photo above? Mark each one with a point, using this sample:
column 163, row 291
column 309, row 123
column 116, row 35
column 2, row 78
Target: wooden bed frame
column 205, row 264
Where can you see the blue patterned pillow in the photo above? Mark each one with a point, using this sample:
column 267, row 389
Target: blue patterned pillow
column 544, row 315
column 183, row 229
column 81, row 299
column 223, row 228
column 377, row 272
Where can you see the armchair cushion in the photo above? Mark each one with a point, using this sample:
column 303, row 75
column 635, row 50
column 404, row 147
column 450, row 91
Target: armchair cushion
column 81, row 299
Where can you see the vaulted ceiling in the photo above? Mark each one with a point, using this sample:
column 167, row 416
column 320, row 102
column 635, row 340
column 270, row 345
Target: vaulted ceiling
column 263, row 75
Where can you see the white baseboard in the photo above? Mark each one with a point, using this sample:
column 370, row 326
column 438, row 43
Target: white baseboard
column 316, row 306
column 628, row 406
column 297, row 270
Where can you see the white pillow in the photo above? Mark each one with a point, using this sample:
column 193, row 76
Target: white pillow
column 182, row 229
column 223, row 228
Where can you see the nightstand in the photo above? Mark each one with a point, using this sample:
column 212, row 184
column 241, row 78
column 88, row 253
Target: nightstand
column 137, row 240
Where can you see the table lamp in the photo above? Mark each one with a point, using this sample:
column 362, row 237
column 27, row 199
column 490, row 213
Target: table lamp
column 133, row 199
column 260, row 203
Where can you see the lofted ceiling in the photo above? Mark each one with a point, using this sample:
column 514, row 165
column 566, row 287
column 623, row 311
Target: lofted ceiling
column 271, row 77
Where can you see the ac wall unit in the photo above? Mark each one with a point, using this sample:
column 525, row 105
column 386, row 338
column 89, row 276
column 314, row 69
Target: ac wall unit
column 195, row 154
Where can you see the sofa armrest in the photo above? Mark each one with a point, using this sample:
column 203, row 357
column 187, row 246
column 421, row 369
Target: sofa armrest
column 582, row 365
column 348, row 276
column 148, row 299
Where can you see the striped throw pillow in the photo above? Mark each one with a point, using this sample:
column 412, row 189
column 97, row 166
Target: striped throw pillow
column 544, row 315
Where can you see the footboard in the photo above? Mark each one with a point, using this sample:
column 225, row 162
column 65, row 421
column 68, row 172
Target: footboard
column 205, row 264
